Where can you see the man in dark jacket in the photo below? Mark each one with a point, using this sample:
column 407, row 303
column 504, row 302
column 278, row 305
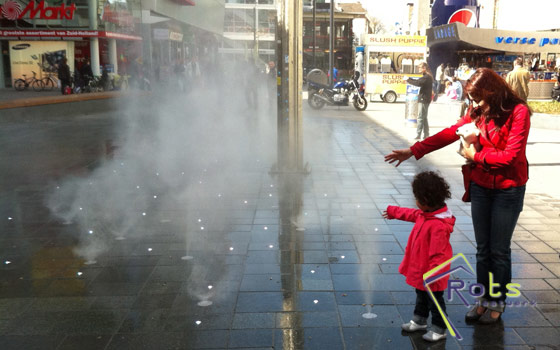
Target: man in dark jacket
column 424, row 98
column 272, row 83
column 63, row 74
column 86, row 72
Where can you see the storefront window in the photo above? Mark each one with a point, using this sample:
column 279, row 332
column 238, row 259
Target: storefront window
column 267, row 21
column 342, row 38
column 260, row 2
column 240, row 1
column 239, row 20
column 119, row 16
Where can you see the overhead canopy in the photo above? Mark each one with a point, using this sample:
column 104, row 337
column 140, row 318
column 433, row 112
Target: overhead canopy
column 478, row 39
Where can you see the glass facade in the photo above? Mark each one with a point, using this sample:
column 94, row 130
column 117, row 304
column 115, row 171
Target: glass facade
column 239, row 20
column 250, row 24
column 251, row 2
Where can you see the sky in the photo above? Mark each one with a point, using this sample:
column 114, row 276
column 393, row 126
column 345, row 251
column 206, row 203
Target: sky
column 540, row 15
column 514, row 14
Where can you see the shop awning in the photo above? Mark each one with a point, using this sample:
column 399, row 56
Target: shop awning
column 493, row 39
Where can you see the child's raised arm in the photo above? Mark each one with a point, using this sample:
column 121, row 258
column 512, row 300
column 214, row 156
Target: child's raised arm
column 404, row 214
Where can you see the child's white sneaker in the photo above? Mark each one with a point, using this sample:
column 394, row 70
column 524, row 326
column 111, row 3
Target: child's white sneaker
column 435, row 334
column 413, row 326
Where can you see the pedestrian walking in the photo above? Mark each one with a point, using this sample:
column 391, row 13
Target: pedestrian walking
column 272, row 84
column 424, row 98
column 495, row 179
column 438, row 81
column 519, row 78
column 428, row 247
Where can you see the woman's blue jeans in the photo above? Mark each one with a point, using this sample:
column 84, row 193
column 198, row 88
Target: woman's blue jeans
column 494, row 215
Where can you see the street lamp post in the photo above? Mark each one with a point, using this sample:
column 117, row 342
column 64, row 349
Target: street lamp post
column 331, row 45
column 314, row 34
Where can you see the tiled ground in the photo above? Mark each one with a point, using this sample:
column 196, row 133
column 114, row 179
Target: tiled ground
column 288, row 262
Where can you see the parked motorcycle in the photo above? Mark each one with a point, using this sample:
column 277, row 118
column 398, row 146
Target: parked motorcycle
column 340, row 95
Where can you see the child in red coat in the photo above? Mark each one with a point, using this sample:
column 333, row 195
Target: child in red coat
column 428, row 246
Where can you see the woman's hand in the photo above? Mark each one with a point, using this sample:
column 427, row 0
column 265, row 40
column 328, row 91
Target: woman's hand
column 469, row 152
column 385, row 215
column 399, row 155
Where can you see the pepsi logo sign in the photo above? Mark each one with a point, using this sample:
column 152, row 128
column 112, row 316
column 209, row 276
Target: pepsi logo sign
column 465, row 16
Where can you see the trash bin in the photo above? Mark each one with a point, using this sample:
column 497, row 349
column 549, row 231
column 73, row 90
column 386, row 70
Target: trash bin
column 411, row 105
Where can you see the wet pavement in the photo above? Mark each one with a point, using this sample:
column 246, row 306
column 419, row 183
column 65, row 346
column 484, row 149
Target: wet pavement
column 10, row 94
column 111, row 238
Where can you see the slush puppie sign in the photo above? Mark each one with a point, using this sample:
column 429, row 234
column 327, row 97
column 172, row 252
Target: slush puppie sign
column 527, row 40
column 12, row 10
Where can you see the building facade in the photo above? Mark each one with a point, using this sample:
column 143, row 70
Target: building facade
column 112, row 34
column 249, row 30
column 344, row 16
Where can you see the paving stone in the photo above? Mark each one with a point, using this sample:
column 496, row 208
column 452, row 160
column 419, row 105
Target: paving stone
column 271, row 285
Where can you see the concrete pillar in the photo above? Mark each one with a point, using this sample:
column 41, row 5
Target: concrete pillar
column 92, row 14
column 2, row 76
column 289, row 54
column 93, row 42
column 94, row 51
column 147, row 46
column 113, row 54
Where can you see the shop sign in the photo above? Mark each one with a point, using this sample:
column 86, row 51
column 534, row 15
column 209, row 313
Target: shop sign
column 377, row 83
column 12, row 10
column 465, row 16
column 446, row 32
column 526, row 40
column 41, row 57
column 166, row 34
column 161, row 34
column 175, row 36
column 64, row 34
column 396, row 40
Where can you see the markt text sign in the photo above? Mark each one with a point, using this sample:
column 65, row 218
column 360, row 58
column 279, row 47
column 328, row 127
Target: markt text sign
column 12, row 10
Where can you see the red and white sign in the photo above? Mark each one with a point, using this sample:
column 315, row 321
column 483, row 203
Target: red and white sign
column 62, row 34
column 12, row 10
column 465, row 16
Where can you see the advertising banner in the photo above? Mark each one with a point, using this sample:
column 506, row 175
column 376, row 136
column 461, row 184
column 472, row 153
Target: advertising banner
column 395, row 40
column 41, row 57
column 377, row 83
column 65, row 34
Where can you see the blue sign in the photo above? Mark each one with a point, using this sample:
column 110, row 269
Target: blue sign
column 526, row 40
column 445, row 32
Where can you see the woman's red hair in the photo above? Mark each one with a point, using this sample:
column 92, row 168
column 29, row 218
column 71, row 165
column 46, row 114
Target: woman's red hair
column 500, row 100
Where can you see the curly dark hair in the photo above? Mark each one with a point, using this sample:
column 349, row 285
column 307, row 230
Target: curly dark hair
column 430, row 189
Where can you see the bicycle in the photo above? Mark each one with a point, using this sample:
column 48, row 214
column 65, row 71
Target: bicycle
column 49, row 82
column 22, row 84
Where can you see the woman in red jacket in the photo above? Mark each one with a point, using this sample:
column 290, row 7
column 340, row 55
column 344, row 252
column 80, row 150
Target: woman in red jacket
column 499, row 172
column 427, row 248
